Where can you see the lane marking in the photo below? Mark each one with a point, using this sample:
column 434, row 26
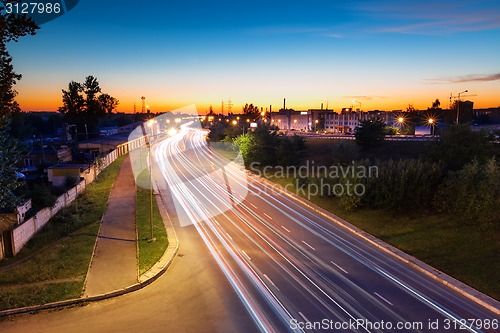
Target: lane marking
column 309, row 246
column 285, row 228
column 217, row 223
column 246, row 255
column 384, row 299
column 251, row 204
column 271, row 282
column 229, row 236
column 343, row 270
column 269, row 217
column 304, row 317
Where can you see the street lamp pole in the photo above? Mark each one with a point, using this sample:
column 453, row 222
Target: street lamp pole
column 151, row 235
column 431, row 122
column 458, row 103
column 150, row 124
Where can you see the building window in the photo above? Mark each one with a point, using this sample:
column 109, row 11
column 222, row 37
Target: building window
column 28, row 162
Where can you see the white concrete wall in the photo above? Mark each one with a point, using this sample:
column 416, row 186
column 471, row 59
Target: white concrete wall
column 23, row 233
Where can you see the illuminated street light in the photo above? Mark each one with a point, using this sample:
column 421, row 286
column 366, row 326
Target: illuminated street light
column 401, row 120
column 234, row 122
column 431, row 122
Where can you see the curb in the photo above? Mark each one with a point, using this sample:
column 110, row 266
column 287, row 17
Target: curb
column 460, row 287
column 144, row 280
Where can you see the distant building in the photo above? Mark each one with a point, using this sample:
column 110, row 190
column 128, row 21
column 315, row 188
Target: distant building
column 129, row 128
column 329, row 121
column 44, row 156
column 107, row 131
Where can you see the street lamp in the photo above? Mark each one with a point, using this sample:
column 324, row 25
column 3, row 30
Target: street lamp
column 355, row 101
column 431, row 122
column 458, row 104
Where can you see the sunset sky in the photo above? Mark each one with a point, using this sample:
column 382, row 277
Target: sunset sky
column 384, row 54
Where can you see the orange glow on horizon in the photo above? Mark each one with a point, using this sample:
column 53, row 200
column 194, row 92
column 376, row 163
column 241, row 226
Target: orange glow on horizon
column 51, row 102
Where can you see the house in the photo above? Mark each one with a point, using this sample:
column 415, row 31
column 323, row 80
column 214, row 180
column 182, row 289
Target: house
column 58, row 173
column 44, row 156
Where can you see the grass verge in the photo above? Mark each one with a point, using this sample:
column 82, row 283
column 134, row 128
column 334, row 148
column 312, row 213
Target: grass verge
column 464, row 252
column 149, row 251
column 53, row 265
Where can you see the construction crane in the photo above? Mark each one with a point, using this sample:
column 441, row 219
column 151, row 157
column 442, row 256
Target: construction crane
column 456, row 97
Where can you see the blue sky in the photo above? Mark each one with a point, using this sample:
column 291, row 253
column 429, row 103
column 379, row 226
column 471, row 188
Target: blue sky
column 383, row 54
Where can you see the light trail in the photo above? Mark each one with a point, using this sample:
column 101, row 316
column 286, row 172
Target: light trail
column 209, row 190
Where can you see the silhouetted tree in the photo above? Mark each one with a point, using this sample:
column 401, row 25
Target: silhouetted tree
column 370, row 133
column 108, row 103
column 84, row 105
column 251, row 110
column 436, row 104
column 12, row 27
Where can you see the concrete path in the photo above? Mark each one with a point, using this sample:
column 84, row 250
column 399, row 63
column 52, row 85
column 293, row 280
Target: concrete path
column 114, row 265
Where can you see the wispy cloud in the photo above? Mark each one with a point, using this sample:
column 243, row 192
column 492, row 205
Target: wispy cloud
column 431, row 17
column 287, row 30
column 332, row 35
column 467, row 78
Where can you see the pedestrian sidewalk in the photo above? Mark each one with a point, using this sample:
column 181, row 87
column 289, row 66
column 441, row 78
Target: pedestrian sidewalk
column 114, row 264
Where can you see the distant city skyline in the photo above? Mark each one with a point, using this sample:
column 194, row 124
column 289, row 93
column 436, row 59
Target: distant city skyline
column 383, row 55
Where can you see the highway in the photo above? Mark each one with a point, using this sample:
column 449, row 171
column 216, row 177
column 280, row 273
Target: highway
column 293, row 269
column 254, row 259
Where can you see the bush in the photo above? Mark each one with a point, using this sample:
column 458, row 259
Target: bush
column 460, row 145
column 472, row 194
column 402, row 185
column 289, row 149
column 42, row 196
column 345, row 152
column 267, row 148
column 70, row 181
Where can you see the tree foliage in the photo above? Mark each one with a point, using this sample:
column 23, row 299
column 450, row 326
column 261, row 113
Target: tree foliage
column 267, row 148
column 251, row 110
column 9, row 155
column 85, row 105
column 472, row 194
column 460, row 145
column 12, row 27
column 370, row 133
